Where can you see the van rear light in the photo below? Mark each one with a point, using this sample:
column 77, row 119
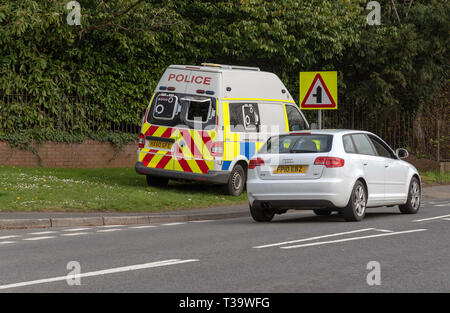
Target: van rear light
column 255, row 162
column 171, row 88
column 141, row 141
column 201, row 91
column 217, row 149
column 329, row 161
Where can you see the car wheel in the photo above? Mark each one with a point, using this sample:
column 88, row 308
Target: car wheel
column 261, row 215
column 157, row 181
column 412, row 204
column 236, row 182
column 322, row 212
column 356, row 207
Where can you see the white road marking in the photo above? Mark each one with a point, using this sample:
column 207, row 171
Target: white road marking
column 446, row 219
column 76, row 229
column 432, row 218
column 112, row 226
column 8, row 237
column 74, row 234
column 312, row 238
column 384, row 230
column 98, row 273
column 40, row 238
column 43, row 233
column 202, row 221
column 172, row 224
column 352, row 239
column 144, row 226
column 108, row 230
column 6, row 242
column 444, row 204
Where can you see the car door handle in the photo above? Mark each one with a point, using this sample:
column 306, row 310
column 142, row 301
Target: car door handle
column 365, row 163
column 386, row 165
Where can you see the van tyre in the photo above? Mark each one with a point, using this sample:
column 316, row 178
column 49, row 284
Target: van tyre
column 356, row 207
column 322, row 212
column 412, row 204
column 155, row 181
column 236, row 182
column 261, row 215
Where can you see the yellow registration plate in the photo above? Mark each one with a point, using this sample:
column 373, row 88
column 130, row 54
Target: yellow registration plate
column 160, row 144
column 290, row 169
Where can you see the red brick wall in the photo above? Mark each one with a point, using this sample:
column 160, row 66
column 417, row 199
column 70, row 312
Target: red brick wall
column 88, row 154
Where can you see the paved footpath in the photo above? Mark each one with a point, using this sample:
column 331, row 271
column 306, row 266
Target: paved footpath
column 296, row 252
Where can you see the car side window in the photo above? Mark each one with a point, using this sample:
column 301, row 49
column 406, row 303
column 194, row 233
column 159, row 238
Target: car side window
column 348, row 144
column 381, row 149
column 362, row 144
column 295, row 119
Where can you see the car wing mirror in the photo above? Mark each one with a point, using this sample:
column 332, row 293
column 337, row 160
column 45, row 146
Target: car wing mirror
column 401, row 153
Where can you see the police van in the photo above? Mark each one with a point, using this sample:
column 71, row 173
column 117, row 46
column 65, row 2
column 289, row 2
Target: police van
column 204, row 123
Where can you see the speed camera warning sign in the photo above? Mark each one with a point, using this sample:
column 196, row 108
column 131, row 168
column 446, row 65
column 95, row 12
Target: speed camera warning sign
column 318, row 90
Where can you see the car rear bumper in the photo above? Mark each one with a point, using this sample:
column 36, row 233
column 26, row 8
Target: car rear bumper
column 218, row 177
column 311, row 193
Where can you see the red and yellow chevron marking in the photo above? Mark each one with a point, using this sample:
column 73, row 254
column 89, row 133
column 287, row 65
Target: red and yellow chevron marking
column 194, row 157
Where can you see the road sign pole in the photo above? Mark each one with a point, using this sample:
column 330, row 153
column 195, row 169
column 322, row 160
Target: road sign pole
column 319, row 122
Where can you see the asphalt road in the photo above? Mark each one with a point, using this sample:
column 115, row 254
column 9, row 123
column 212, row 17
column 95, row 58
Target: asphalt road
column 297, row 252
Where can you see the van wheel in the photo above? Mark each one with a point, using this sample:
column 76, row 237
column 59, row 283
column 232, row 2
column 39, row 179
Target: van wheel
column 322, row 212
column 261, row 215
column 356, row 207
column 412, row 205
column 236, row 182
column 157, row 181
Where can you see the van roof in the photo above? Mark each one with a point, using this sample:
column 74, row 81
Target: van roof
column 231, row 82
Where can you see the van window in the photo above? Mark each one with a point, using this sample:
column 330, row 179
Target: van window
column 165, row 106
column 298, row 144
column 244, row 117
column 198, row 109
column 272, row 117
column 295, row 119
column 170, row 109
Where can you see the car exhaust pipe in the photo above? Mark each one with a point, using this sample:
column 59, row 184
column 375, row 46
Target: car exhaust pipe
column 266, row 205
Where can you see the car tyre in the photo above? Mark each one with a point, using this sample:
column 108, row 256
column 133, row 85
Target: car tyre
column 261, row 215
column 412, row 204
column 356, row 207
column 322, row 212
column 155, row 181
column 236, row 182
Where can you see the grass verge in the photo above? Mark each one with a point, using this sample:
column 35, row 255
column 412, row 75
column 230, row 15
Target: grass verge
column 435, row 177
column 106, row 190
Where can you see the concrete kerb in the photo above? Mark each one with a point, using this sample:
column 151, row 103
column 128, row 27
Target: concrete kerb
column 113, row 220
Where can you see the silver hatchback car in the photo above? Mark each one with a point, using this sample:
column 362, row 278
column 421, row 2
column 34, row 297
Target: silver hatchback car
column 330, row 170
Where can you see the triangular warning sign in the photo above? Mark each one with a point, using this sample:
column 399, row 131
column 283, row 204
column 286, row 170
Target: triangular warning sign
column 318, row 95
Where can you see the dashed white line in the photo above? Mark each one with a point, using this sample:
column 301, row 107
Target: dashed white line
column 312, row 238
column 351, row 239
column 144, row 226
column 39, row 238
column 384, row 230
column 172, row 224
column 98, row 273
column 443, row 204
column 43, row 233
column 74, row 234
column 108, row 230
column 8, row 237
column 6, row 242
column 202, row 221
column 112, row 226
column 446, row 219
column 76, row 229
column 431, row 218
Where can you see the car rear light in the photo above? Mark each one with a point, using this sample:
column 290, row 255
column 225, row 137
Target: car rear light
column 217, row 149
column 329, row 161
column 255, row 162
column 141, row 141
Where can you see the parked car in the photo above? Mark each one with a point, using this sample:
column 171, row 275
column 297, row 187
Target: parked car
column 204, row 123
column 330, row 170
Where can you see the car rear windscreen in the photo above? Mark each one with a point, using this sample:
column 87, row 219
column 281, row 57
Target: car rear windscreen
column 298, row 143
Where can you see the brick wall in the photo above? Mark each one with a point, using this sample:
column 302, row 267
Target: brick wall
column 88, row 154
